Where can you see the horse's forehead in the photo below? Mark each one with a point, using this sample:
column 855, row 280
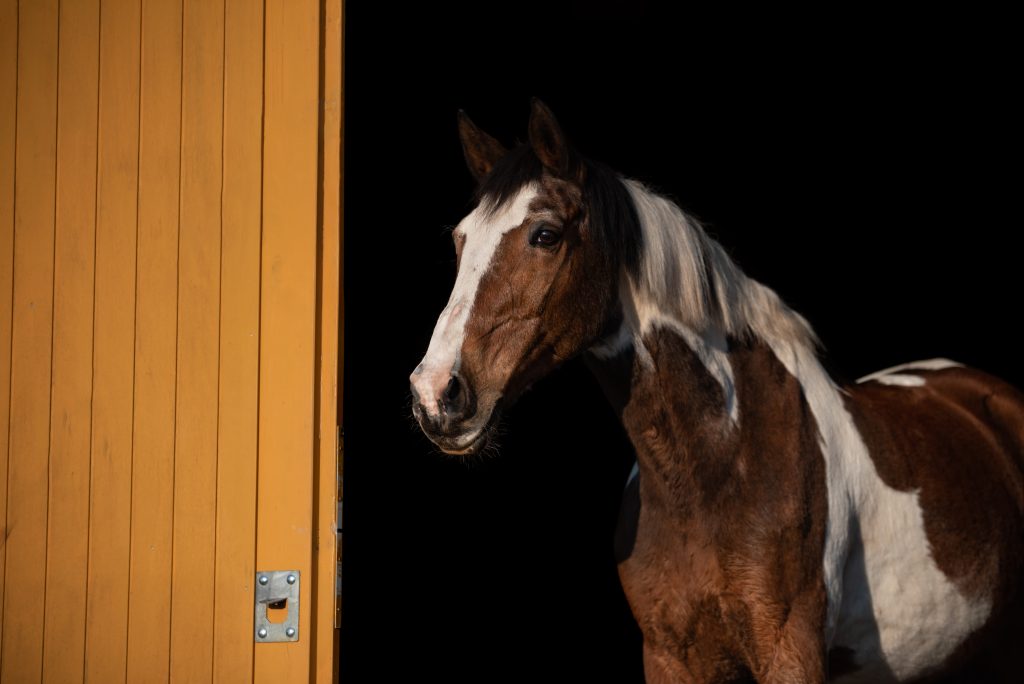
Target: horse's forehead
column 487, row 220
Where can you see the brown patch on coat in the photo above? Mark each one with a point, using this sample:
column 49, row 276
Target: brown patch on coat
column 725, row 573
column 958, row 441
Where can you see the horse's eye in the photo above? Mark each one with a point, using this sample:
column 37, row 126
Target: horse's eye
column 545, row 236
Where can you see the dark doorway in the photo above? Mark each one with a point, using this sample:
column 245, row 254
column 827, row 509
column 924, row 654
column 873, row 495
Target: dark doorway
column 869, row 178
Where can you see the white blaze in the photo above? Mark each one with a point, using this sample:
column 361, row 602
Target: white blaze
column 483, row 232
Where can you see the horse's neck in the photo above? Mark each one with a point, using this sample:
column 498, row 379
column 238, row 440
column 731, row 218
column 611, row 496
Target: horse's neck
column 694, row 446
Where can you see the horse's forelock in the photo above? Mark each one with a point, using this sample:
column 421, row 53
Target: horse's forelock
column 510, row 174
column 612, row 215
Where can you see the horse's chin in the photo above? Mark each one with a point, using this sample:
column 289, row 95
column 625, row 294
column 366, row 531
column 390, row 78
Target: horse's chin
column 475, row 446
column 471, row 442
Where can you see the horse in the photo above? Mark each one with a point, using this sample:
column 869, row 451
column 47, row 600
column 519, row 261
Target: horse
column 777, row 527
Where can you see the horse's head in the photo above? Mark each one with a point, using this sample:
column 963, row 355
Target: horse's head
column 538, row 264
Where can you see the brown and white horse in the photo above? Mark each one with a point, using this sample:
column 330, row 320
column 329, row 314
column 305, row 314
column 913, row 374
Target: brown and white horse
column 777, row 527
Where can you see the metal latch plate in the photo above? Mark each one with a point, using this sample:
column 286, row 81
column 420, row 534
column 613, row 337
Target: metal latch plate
column 277, row 590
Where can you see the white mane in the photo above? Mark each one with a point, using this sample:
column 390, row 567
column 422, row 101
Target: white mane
column 688, row 278
column 687, row 282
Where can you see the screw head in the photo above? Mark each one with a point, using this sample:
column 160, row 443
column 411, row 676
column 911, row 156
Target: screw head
column 264, row 579
column 291, row 579
column 290, row 631
column 262, row 633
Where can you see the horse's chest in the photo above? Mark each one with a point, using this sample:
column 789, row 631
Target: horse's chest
column 685, row 605
column 693, row 628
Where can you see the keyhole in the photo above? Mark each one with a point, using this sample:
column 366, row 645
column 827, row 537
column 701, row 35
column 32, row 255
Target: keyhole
column 277, row 612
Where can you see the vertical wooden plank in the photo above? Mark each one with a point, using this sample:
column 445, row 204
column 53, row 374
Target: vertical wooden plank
column 341, row 350
column 287, row 323
column 149, row 600
column 8, row 123
column 199, row 234
column 239, row 341
column 328, row 289
column 114, row 343
column 71, row 400
column 30, row 344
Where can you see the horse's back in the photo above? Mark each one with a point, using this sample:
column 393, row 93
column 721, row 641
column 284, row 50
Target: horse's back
column 948, row 442
column 944, row 418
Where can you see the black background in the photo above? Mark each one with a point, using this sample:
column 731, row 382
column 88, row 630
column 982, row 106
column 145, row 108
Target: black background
column 867, row 169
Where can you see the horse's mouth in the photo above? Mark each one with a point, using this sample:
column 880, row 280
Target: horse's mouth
column 475, row 445
column 469, row 443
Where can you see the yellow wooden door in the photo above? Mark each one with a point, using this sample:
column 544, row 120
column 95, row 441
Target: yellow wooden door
column 169, row 293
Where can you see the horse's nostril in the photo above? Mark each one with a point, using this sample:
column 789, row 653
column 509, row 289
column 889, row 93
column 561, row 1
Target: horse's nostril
column 452, row 394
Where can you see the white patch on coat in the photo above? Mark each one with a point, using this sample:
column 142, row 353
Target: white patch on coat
column 929, row 364
column 888, row 599
column 900, row 380
column 900, row 615
column 880, row 576
column 482, row 230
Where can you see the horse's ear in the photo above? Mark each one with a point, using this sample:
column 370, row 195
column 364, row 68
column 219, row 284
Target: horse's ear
column 481, row 150
column 547, row 139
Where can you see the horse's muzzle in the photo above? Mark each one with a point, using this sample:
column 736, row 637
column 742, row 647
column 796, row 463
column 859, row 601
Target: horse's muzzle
column 448, row 419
